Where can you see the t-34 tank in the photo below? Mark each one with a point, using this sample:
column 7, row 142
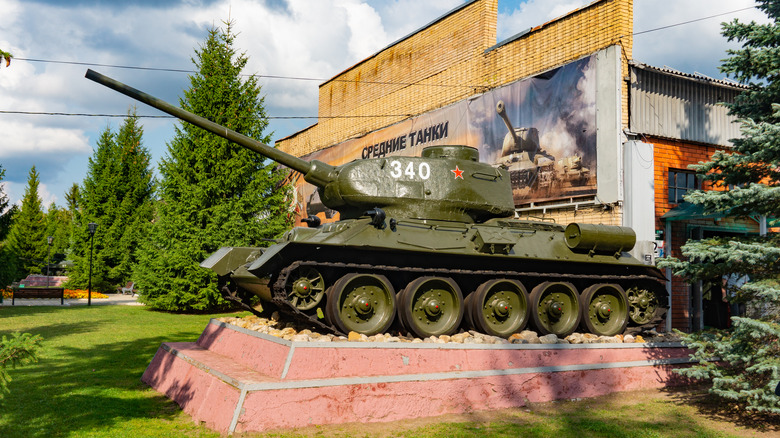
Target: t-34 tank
column 416, row 236
column 529, row 166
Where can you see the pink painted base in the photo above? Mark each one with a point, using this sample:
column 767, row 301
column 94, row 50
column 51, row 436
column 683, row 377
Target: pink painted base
column 234, row 379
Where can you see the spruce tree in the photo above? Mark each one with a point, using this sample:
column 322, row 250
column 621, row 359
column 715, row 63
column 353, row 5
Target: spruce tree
column 27, row 239
column 212, row 193
column 117, row 197
column 6, row 212
column 8, row 261
column 58, row 225
column 743, row 362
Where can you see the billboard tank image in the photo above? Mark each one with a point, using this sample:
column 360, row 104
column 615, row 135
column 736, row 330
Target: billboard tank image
column 428, row 245
column 532, row 169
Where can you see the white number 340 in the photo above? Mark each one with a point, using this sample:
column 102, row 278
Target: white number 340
column 423, row 170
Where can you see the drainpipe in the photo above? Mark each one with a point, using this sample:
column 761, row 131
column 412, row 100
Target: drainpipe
column 668, row 245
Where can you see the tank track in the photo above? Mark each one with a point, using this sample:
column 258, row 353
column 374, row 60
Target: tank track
column 279, row 295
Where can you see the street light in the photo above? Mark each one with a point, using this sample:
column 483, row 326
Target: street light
column 48, row 260
column 92, row 228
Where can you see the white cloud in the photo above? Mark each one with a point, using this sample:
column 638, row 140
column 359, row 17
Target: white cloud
column 533, row 13
column 297, row 38
column 692, row 47
column 46, row 140
column 365, row 25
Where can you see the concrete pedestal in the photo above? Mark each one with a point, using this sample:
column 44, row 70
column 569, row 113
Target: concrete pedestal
column 234, row 379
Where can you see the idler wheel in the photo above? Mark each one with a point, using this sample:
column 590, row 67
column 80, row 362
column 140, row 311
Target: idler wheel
column 305, row 288
column 363, row 303
column 555, row 308
column 498, row 307
column 431, row 306
column 642, row 305
column 604, row 309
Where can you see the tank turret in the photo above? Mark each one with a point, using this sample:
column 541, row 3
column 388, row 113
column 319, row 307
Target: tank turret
column 517, row 140
column 444, row 183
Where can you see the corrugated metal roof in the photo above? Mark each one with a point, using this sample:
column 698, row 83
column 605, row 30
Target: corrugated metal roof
column 695, row 75
column 671, row 104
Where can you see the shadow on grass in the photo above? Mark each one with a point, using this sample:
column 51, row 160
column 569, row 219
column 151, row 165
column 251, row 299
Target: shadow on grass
column 8, row 311
column 720, row 409
column 53, row 331
column 91, row 389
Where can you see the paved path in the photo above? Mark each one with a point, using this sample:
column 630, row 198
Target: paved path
column 113, row 299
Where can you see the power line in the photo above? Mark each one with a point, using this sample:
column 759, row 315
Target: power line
column 295, row 78
column 691, row 21
column 34, row 113
column 298, row 78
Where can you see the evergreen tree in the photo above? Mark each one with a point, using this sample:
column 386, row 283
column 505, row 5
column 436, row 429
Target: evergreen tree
column 58, row 226
column 744, row 361
column 6, row 212
column 8, row 261
column 73, row 199
column 27, row 239
column 19, row 349
column 212, row 193
column 117, row 197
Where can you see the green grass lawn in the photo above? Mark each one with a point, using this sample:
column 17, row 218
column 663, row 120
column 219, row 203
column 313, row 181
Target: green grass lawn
column 87, row 384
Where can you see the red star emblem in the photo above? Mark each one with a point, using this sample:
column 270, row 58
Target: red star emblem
column 458, row 173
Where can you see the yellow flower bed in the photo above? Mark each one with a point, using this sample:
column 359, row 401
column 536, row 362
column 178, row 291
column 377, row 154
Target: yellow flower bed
column 69, row 293
column 80, row 293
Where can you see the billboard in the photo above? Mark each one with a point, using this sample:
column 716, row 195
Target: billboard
column 541, row 129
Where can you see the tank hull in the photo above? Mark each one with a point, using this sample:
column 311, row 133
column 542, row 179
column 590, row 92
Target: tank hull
column 529, row 254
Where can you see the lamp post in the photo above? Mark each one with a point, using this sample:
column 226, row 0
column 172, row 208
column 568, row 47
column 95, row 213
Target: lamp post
column 48, row 260
column 92, row 228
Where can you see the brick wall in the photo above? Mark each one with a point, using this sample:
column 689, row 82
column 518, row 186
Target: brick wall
column 589, row 214
column 673, row 154
column 449, row 61
column 676, row 154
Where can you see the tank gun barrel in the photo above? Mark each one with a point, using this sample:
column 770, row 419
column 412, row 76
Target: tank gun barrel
column 501, row 110
column 315, row 172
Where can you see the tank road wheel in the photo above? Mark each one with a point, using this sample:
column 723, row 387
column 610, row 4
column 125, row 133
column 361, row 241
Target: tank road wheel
column 555, row 308
column 363, row 303
column 642, row 305
column 305, row 289
column 431, row 306
column 604, row 309
column 499, row 307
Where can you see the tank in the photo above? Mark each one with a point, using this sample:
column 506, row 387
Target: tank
column 533, row 170
column 429, row 245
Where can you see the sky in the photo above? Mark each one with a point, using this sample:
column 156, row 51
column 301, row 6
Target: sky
column 55, row 41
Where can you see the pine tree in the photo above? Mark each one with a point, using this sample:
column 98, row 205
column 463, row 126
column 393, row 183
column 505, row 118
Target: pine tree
column 27, row 240
column 117, row 197
column 212, row 193
column 743, row 362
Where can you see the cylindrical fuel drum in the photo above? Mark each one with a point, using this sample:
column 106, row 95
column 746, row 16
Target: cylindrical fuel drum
column 603, row 239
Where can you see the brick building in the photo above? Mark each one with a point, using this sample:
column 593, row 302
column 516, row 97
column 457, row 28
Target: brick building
column 571, row 89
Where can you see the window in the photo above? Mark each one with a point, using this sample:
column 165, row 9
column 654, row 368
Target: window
column 680, row 182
